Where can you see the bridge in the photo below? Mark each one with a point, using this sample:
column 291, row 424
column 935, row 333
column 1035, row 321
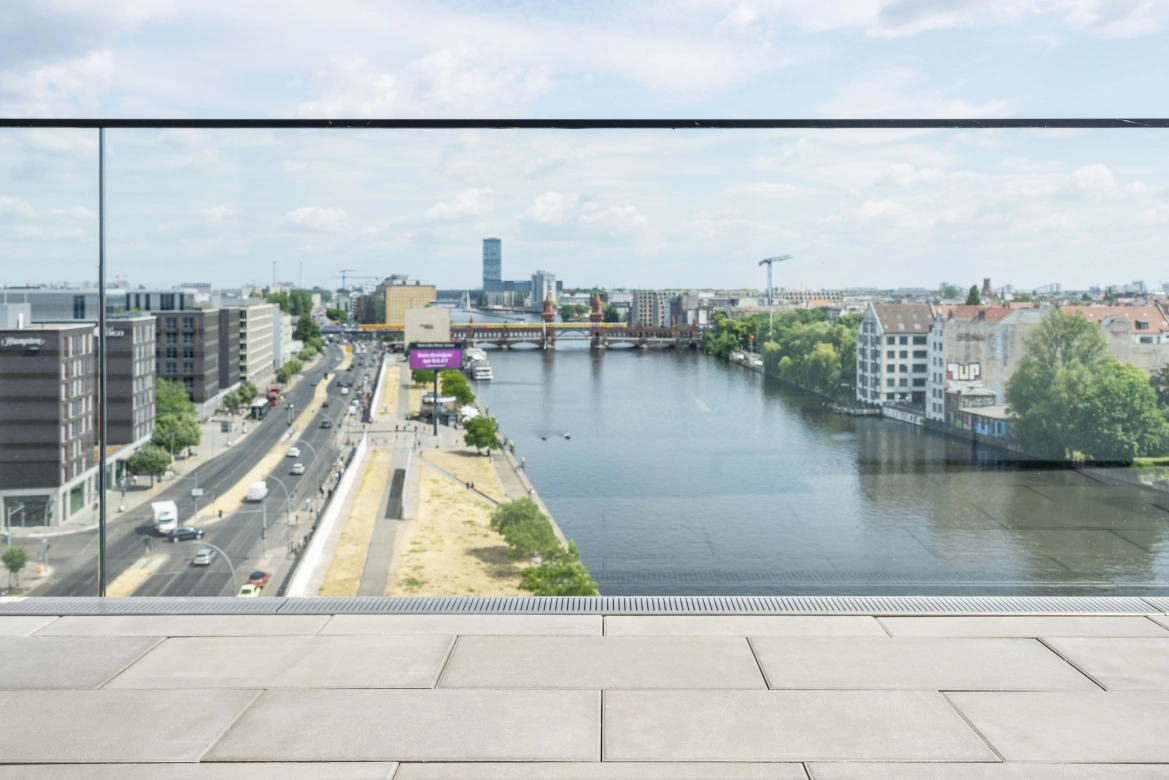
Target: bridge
column 545, row 335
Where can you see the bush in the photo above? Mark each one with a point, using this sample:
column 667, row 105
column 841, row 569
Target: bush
column 422, row 376
column 14, row 559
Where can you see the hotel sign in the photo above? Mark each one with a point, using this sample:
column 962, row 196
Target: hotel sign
column 22, row 342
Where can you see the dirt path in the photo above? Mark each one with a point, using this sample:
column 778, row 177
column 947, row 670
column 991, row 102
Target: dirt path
column 344, row 575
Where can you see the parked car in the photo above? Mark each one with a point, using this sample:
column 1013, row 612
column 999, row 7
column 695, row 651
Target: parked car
column 326, row 423
column 204, row 557
column 297, row 468
column 294, row 452
column 325, row 404
column 258, row 578
column 249, row 591
column 183, row 533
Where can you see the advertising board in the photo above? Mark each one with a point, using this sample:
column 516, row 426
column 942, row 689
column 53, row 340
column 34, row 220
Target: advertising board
column 435, row 356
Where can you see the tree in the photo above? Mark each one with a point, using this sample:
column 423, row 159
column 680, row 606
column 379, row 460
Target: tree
column 972, row 297
column 247, row 392
column 151, row 460
column 1052, row 382
column 170, row 398
column 280, row 299
column 481, row 434
column 337, row 315
column 306, row 354
column 300, row 303
column 610, row 313
column 14, row 559
column 1120, row 420
column 951, row 291
column 525, row 529
column 422, row 376
column 454, row 383
column 231, row 401
column 174, row 433
column 1160, row 383
column 1025, row 298
column 561, row 575
column 306, row 328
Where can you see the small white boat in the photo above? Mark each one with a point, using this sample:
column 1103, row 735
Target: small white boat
column 568, row 435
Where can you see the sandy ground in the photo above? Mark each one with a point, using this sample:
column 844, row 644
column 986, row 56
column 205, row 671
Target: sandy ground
column 129, row 580
column 416, row 392
column 467, row 466
column 449, row 550
column 349, row 560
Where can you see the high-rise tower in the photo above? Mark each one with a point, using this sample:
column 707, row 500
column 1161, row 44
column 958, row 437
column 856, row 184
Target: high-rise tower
column 492, row 263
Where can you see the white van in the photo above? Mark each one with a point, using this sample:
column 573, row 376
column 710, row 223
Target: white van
column 257, row 491
column 166, row 516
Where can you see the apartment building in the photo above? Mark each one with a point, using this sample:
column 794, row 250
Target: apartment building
column 188, row 352
column 228, row 349
column 130, row 375
column 802, row 298
column 256, row 360
column 892, row 355
column 650, row 308
column 1135, row 334
column 48, row 421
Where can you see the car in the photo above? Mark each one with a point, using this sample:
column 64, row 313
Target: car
column 344, row 391
column 326, row 423
column 258, row 578
column 297, row 468
column 325, row 404
column 182, row 533
column 249, row 591
column 294, row 452
column 204, row 557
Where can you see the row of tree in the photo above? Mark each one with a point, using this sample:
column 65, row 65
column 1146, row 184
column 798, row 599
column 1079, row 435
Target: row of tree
column 528, row 532
column 296, row 302
column 176, row 427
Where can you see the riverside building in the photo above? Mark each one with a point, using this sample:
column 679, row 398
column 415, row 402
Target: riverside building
column 892, row 353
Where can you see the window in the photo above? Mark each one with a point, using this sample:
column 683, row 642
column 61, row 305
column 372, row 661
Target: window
column 78, row 307
column 903, row 382
column 919, row 382
column 172, row 368
column 905, row 339
column 188, row 367
column 1142, row 325
column 188, row 338
column 889, row 396
column 920, row 354
column 890, row 368
column 891, row 340
column 171, row 323
column 1146, row 339
column 903, row 368
column 188, row 352
column 172, row 352
column 892, row 353
column 172, row 338
column 920, row 368
column 188, row 323
column 919, row 340
column 890, row 382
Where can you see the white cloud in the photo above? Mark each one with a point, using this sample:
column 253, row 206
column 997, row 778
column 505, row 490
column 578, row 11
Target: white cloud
column 773, row 189
column 468, row 204
column 215, row 215
column 353, row 87
column 553, row 208
column 316, row 218
column 896, row 91
column 904, row 175
column 49, row 89
column 74, row 212
column 15, row 207
column 570, row 213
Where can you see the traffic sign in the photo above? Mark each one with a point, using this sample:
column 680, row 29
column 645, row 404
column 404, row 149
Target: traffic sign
column 196, row 492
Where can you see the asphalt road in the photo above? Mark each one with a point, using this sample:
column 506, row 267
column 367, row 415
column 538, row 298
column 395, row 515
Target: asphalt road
column 238, row 534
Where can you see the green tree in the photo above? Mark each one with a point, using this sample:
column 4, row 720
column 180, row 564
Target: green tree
column 300, row 303
column 1120, row 420
column 1160, row 383
column 306, row 328
column 175, row 433
column 150, row 459
column 561, row 575
column 973, row 298
column 337, row 315
column 14, row 559
column 306, row 354
column 280, row 299
column 525, row 528
column 611, row 314
column 1052, row 382
column 454, row 383
column 231, row 401
column 1025, row 298
column 951, row 291
column 421, row 376
column 247, row 392
column 170, row 398
column 481, row 434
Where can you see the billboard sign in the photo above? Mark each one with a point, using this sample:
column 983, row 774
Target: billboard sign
column 435, row 356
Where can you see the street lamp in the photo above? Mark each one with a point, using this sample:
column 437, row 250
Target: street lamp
column 288, row 524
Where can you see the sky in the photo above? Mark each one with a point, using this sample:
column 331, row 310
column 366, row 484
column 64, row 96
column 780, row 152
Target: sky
column 684, row 208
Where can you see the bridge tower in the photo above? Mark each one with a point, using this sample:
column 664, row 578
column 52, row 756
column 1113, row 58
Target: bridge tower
column 549, row 317
column 596, row 316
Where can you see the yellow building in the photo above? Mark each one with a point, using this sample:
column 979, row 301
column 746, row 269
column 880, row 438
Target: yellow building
column 400, row 297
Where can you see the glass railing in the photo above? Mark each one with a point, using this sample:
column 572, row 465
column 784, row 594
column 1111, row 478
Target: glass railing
column 621, row 358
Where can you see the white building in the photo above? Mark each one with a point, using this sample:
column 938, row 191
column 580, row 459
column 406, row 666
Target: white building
column 892, row 353
column 543, row 285
column 255, row 344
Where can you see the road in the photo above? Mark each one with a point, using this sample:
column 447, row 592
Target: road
column 238, row 533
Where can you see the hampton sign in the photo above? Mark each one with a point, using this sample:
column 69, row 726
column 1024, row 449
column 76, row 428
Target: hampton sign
column 22, row 342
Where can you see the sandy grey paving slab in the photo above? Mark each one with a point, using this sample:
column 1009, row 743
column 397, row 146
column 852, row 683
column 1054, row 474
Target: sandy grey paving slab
column 1119, row 663
column 845, row 771
column 605, row 770
column 184, row 625
column 742, row 625
column 1024, row 626
column 786, row 726
column 1160, row 620
column 400, row 725
column 66, row 662
column 602, row 662
column 290, row 662
column 23, row 625
column 1103, row 726
column 562, row 625
column 205, row 771
column 858, row 663
column 44, row 727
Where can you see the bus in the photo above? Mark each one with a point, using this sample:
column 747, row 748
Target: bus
column 259, row 409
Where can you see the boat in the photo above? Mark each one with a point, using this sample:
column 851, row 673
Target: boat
column 568, row 435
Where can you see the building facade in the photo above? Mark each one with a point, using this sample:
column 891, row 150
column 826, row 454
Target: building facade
column 400, row 297
column 255, row 344
column 543, row 287
column 188, row 352
column 809, row 297
column 228, row 349
column 892, row 353
column 651, row 308
column 492, row 262
column 130, row 372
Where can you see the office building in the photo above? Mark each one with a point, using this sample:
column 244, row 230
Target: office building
column 492, row 262
column 400, row 296
column 255, row 344
column 543, row 287
column 892, row 354
column 48, row 422
column 130, row 375
column 64, row 304
column 188, row 352
column 228, row 349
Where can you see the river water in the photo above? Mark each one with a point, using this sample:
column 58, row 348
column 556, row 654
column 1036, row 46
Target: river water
column 685, row 475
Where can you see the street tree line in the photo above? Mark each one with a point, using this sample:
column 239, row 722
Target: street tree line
column 557, row 570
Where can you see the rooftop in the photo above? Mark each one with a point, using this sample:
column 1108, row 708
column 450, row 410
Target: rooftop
column 765, row 687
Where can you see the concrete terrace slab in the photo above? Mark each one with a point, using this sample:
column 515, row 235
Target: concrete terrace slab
column 786, row 726
column 290, row 662
column 1119, row 664
column 1023, row 626
column 742, row 625
column 266, row 771
column 42, row 727
column 1105, row 727
column 66, row 662
column 602, row 663
column 388, row 725
column 183, row 625
column 860, row 663
column 844, row 771
column 22, row 625
column 549, row 625
column 606, row 770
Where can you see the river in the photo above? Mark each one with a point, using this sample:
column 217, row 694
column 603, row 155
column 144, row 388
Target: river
column 685, row 475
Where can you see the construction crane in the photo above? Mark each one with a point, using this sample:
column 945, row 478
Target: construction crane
column 345, row 273
column 770, row 308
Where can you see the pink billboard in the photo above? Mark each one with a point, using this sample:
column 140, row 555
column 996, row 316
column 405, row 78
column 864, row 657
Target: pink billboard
column 435, row 357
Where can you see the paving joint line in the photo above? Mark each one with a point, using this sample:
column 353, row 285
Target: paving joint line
column 135, row 660
column 972, row 727
column 219, row 737
column 1044, row 642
